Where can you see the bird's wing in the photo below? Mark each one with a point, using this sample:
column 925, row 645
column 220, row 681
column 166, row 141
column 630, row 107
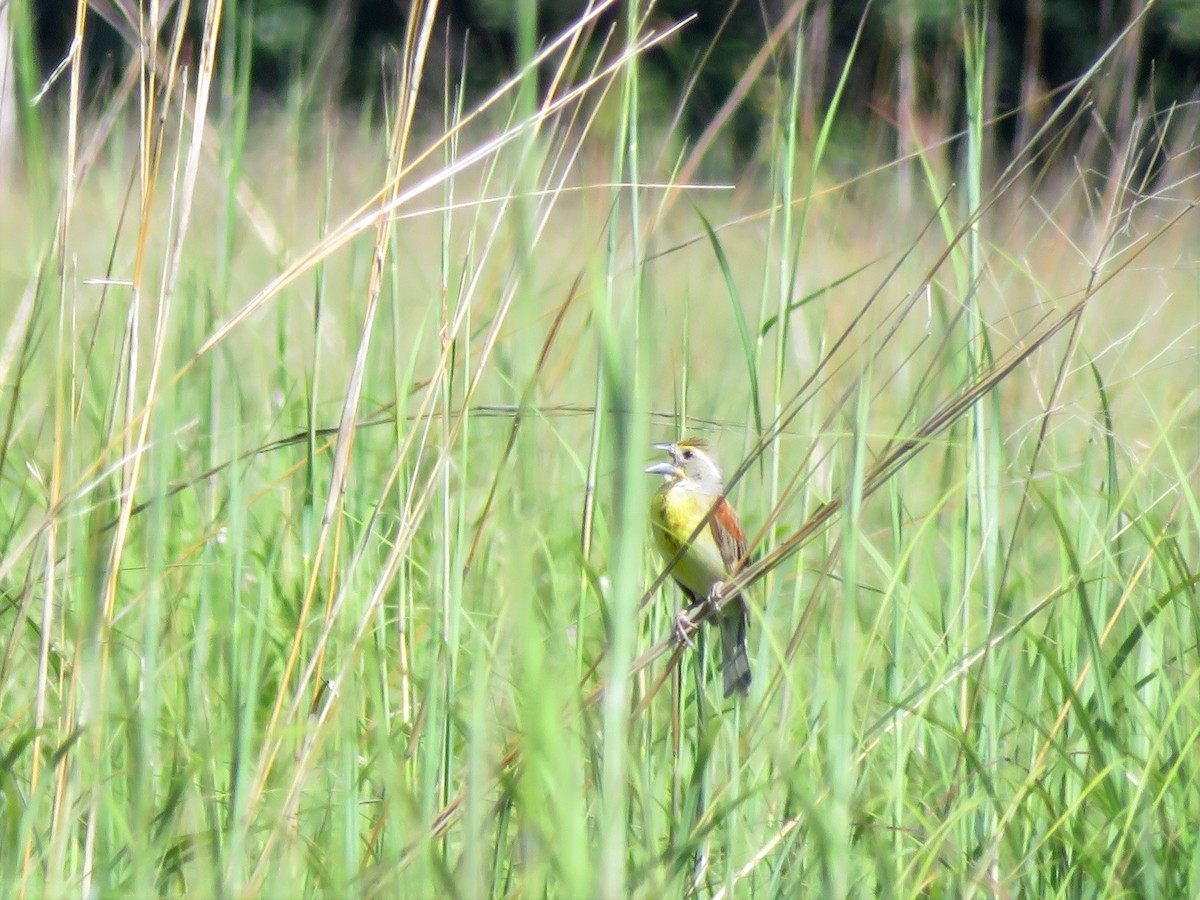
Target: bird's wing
column 727, row 532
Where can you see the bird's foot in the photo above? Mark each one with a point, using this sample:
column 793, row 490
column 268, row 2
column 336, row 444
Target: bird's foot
column 683, row 622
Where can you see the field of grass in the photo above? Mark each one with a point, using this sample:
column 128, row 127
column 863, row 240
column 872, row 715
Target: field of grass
column 324, row 565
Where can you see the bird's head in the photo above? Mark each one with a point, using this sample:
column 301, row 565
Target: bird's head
column 691, row 461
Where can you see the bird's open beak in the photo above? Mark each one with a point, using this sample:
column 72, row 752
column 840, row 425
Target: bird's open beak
column 669, row 469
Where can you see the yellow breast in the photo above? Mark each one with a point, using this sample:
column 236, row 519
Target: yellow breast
column 675, row 511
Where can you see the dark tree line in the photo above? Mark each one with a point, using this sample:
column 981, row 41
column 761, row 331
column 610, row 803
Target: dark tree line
column 908, row 60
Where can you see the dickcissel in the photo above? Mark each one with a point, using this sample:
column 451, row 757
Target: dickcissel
column 692, row 485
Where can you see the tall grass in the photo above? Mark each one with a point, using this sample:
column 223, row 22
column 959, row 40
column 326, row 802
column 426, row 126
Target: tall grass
column 323, row 564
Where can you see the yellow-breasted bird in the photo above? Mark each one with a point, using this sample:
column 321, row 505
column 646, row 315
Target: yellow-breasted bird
column 692, row 485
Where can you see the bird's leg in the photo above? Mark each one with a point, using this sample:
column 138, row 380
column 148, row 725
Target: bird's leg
column 710, row 600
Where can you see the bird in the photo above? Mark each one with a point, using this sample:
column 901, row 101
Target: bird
column 692, row 485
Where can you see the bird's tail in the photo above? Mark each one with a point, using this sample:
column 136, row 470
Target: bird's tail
column 735, row 664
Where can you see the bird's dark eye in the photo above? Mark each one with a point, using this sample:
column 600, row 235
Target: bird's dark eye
column 687, row 454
